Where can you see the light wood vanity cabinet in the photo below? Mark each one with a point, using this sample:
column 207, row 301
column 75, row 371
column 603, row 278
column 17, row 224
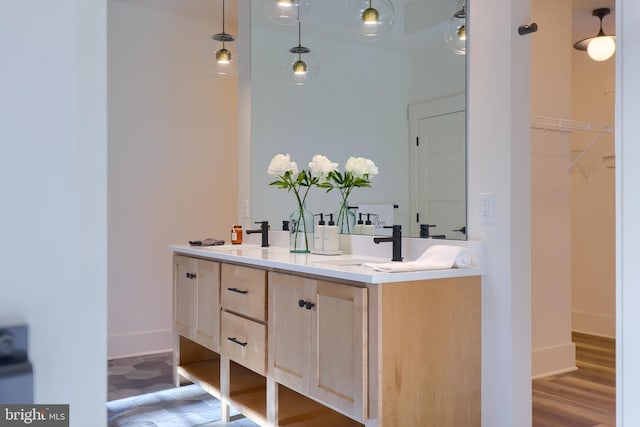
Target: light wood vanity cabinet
column 196, row 300
column 317, row 340
column 287, row 349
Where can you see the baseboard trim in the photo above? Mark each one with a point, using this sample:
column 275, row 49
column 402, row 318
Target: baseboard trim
column 553, row 360
column 139, row 343
column 601, row 325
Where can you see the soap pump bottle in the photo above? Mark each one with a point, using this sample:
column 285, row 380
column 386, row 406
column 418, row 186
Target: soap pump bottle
column 331, row 239
column 368, row 227
column 358, row 227
column 318, row 236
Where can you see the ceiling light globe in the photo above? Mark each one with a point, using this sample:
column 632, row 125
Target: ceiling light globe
column 286, row 12
column 601, row 48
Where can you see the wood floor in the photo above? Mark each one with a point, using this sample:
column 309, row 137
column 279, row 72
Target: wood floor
column 584, row 398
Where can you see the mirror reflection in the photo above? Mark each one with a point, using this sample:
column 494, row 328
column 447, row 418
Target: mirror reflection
column 398, row 100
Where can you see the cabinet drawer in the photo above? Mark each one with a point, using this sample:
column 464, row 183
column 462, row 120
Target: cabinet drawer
column 244, row 342
column 244, row 291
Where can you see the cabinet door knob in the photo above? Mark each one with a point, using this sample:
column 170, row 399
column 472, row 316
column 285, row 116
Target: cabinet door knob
column 238, row 291
column 309, row 305
column 301, row 303
column 235, row 340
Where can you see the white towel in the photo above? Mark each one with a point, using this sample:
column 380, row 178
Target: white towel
column 437, row 257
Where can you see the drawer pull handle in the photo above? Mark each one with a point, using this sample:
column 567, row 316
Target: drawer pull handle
column 239, row 291
column 235, row 340
column 305, row 304
column 190, row 276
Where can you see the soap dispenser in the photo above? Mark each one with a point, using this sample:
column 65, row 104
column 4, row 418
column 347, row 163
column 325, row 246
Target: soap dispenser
column 368, row 227
column 331, row 238
column 358, row 228
column 318, row 237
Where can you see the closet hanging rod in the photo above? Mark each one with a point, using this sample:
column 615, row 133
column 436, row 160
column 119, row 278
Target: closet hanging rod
column 564, row 125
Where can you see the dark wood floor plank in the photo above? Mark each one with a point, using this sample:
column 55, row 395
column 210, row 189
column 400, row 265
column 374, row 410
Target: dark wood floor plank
column 583, row 398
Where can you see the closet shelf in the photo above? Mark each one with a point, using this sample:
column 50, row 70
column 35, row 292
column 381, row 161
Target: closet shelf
column 567, row 126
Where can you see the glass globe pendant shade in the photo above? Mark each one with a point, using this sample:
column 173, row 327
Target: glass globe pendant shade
column 299, row 65
column 218, row 57
column 601, row 48
column 456, row 33
column 371, row 19
column 286, row 12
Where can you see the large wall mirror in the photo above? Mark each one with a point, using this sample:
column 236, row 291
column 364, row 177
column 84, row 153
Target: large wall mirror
column 398, row 100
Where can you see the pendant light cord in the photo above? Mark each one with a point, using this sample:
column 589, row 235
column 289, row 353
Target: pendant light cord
column 299, row 34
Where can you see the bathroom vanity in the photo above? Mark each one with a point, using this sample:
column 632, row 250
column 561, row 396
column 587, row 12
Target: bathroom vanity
column 310, row 340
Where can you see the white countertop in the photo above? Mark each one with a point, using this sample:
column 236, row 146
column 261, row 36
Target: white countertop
column 345, row 267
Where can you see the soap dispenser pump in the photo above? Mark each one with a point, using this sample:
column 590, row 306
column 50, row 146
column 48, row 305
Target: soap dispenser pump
column 358, row 228
column 368, row 227
column 318, row 237
column 331, row 239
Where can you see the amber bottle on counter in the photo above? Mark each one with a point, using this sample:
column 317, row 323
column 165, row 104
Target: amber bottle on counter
column 236, row 235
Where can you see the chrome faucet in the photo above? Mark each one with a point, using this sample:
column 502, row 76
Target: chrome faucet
column 264, row 230
column 395, row 239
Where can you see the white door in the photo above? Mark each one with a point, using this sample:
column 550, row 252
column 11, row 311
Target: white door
column 438, row 167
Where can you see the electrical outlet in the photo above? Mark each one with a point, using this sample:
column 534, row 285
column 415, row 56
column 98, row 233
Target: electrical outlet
column 486, row 208
column 245, row 209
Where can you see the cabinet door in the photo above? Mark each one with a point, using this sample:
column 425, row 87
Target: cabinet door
column 288, row 355
column 184, row 295
column 207, row 314
column 339, row 347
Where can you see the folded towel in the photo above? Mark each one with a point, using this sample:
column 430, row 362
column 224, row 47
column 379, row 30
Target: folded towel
column 437, row 257
column 206, row 242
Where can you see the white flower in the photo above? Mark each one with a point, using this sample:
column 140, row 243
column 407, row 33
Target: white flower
column 320, row 166
column 361, row 167
column 280, row 164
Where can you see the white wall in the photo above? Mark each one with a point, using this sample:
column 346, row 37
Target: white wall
column 436, row 72
column 53, row 221
column 627, row 214
column 499, row 162
column 593, row 198
column 172, row 159
column 553, row 351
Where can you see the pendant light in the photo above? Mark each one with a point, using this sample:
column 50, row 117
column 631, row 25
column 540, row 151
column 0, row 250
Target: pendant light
column 371, row 19
column 299, row 64
column 219, row 55
column 456, row 34
column 286, row 12
column 601, row 46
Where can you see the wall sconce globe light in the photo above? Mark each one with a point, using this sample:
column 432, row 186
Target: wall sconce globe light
column 456, row 34
column 299, row 64
column 219, row 57
column 601, row 46
column 286, row 12
column 371, row 19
